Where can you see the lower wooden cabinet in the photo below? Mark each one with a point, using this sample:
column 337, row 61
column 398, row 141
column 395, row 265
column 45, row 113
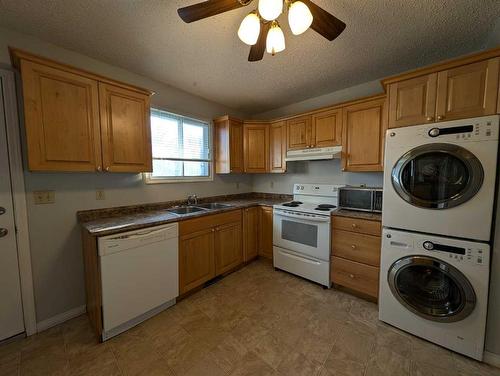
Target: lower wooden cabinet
column 251, row 228
column 356, row 247
column 208, row 246
column 196, row 259
column 266, row 232
column 228, row 250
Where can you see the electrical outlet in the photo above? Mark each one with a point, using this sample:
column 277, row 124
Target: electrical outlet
column 100, row 195
column 44, row 197
column 238, row 185
column 272, row 184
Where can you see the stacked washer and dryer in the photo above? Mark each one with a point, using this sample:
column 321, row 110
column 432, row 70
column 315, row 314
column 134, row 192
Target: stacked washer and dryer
column 439, row 190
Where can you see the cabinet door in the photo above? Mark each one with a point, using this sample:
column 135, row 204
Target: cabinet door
column 196, row 259
column 412, row 101
column 251, row 224
column 256, row 148
column 228, row 247
column 266, row 232
column 468, row 91
column 277, row 147
column 363, row 134
column 299, row 133
column 62, row 119
column 236, row 147
column 125, row 128
column 327, row 128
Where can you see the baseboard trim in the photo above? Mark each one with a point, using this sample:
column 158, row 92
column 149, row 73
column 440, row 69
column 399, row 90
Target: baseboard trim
column 60, row 318
column 492, row 359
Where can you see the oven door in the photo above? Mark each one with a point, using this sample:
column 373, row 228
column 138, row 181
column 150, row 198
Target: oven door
column 431, row 288
column 308, row 235
column 437, row 176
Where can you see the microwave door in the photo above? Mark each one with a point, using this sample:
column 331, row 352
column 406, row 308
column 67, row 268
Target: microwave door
column 354, row 199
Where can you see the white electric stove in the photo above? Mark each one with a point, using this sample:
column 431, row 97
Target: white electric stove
column 301, row 232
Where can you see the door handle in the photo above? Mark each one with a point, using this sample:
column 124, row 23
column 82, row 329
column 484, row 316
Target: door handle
column 3, row 232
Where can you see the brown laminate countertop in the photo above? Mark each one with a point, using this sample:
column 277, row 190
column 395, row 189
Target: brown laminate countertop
column 357, row 214
column 110, row 221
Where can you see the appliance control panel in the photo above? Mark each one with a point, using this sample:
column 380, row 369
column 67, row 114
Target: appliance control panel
column 316, row 189
column 471, row 254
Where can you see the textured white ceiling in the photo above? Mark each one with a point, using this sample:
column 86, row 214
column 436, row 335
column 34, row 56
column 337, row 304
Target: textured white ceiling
column 206, row 58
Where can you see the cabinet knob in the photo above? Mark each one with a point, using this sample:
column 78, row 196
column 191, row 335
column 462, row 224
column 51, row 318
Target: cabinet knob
column 353, row 246
column 440, row 117
column 430, row 118
column 354, row 225
column 99, row 168
column 213, row 230
column 351, row 276
column 107, row 168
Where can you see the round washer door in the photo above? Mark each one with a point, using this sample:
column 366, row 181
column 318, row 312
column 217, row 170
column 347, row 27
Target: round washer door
column 431, row 288
column 437, row 176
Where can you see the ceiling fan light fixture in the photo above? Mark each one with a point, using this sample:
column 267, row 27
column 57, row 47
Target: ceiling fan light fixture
column 300, row 17
column 275, row 41
column 270, row 9
column 250, row 29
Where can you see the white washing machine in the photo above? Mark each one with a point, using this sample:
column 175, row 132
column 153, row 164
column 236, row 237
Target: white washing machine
column 436, row 288
column 440, row 178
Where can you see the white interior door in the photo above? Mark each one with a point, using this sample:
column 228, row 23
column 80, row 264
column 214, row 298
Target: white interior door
column 11, row 310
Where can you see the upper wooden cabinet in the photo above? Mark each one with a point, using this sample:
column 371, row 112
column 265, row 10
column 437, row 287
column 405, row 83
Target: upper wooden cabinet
column 364, row 126
column 412, row 101
column 125, row 128
column 228, row 141
column 277, row 147
column 78, row 121
column 61, row 111
column 256, row 147
column 458, row 89
column 299, row 133
column 468, row 91
column 326, row 128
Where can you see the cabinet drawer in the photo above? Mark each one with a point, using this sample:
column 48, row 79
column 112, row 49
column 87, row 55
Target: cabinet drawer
column 356, row 247
column 208, row 221
column 356, row 276
column 362, row 226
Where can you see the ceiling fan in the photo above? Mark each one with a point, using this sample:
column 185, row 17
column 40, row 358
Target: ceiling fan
column 260, row 28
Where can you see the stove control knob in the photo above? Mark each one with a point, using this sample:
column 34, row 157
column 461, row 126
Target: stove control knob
column 428, row 245
column 434, row 132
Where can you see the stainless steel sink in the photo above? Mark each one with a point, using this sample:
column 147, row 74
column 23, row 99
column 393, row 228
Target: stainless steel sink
column 186, row 210
column 213, row 205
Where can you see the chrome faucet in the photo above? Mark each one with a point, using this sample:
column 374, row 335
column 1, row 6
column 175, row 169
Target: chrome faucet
column 192, row 200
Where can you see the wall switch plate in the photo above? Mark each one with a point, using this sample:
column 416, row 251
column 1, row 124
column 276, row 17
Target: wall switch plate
column 100, row 195
column 238, row 185
column 44, row 197
column 272, row 184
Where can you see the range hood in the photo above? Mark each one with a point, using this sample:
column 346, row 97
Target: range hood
column 314, row 154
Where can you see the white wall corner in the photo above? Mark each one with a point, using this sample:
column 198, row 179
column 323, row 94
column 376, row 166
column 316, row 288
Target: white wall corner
column 60, row 318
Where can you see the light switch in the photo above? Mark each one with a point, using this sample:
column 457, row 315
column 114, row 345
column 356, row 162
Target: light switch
column 44, row 197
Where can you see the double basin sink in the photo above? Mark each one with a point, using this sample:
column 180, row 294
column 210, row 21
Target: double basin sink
column 198, row 208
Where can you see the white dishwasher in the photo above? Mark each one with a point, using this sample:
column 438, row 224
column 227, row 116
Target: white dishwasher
column 139, row 276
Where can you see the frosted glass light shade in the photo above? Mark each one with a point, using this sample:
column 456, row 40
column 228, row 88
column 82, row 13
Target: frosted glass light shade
column 270, row 9
column 249, row 29
column 300, row 17
column 275, row 41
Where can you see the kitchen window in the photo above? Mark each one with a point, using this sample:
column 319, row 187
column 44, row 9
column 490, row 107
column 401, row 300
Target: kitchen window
column 181, row 149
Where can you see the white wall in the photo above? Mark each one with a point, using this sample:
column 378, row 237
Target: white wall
column 54, row 233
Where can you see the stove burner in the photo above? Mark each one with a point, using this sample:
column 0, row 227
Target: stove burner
column 322, row 209
column 292, row 204
column 326, row 206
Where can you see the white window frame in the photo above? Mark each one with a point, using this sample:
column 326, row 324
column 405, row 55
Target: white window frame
column 147, row 176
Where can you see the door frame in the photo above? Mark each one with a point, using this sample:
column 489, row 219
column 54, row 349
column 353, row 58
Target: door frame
column 19, row 200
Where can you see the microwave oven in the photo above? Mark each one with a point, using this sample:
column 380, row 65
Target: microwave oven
column 367, row 199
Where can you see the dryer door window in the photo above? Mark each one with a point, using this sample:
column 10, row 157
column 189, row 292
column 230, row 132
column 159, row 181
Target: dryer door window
column 437, row 176
column 431, row 288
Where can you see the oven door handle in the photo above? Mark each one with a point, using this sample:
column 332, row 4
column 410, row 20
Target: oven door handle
column 301, row 217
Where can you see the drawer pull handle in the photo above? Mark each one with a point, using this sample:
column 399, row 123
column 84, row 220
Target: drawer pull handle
column 351, row 276
column 353, row 246
column 354, row 225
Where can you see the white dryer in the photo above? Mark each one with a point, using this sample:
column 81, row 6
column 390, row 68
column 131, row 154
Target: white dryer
column 440, row 178
column 435, row 288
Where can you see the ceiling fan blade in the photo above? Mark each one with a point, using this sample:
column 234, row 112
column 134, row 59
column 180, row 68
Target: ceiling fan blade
column 258, row 49
column 324, row 23
column 207, row 9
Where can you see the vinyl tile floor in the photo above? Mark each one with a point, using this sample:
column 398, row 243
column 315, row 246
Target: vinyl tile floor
column 256, row 321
